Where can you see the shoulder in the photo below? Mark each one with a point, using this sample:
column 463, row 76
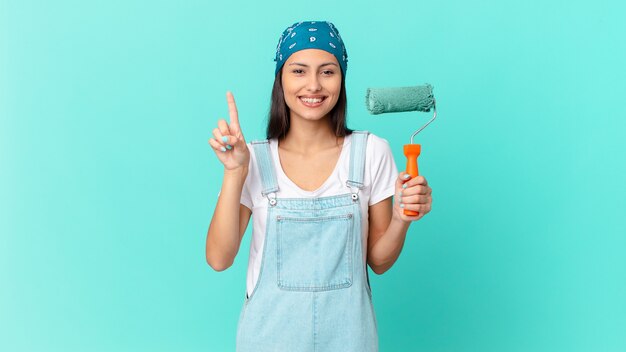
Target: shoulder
column 379, row 157
column 373, row 141
column 258, row 148
column 252, row 166
column 376, row 141
column 377, row 147
column 257, row 143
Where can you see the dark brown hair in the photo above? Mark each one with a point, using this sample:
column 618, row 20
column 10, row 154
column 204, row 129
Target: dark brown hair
column 278, row 124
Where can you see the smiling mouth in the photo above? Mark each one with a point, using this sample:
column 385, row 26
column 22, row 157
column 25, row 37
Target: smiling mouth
column 312, row 102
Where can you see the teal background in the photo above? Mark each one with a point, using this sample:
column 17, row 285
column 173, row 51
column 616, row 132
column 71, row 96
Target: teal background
column 108, row 184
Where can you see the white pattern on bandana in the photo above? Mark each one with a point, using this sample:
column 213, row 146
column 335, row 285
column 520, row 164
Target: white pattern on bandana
column 290, row 34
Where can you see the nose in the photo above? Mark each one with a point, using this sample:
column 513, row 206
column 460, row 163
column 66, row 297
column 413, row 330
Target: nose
column 313, row 84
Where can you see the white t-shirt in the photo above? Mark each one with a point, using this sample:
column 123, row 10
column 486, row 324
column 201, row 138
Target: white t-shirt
column 379, row 183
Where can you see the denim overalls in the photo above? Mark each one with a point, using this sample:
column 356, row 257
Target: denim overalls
column 313, row 292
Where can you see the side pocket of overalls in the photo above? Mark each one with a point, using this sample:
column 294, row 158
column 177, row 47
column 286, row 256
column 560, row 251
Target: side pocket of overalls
column 314, row 253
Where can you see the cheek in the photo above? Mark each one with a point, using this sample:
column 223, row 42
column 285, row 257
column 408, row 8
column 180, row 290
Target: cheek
column 286, row 90
column 286, row 83
column 335, row 86
column 290, row 99
column 289, row 89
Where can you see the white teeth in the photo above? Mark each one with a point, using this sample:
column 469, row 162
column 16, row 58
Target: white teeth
column 311, row 100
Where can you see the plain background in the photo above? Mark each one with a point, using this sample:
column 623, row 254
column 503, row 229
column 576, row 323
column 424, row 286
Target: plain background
column 108, row 184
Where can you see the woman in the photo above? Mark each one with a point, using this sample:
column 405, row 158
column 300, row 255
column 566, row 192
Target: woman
column 320, row 198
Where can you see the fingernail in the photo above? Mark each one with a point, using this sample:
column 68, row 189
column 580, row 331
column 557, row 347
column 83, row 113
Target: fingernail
column 223, row 149
column 228, row 147
column 406, row 176
column 404, row 185
column 401, row 205
column 224, row 139
column 400, row 194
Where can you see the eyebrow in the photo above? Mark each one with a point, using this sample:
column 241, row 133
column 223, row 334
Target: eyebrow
column 322, row 65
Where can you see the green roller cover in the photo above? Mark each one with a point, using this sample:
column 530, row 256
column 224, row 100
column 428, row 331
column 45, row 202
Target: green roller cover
column 383, row 100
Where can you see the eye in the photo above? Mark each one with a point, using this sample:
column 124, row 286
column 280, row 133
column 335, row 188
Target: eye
column 297, row 71
column 328, row 72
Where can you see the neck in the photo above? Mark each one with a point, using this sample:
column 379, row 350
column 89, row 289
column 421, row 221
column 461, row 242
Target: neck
column 307, row 137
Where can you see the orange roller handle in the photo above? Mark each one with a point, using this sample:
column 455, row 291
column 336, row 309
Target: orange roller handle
column 412, row 151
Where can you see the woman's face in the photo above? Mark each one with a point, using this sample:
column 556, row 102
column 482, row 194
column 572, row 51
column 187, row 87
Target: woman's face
column 311, row 80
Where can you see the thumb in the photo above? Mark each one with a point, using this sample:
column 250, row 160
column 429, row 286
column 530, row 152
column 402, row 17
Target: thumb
column 235, row 140
column 236, row 131
column 240, row 137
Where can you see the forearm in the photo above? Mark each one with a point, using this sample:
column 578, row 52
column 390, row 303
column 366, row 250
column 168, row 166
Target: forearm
column 223, row 238
column 386, row 250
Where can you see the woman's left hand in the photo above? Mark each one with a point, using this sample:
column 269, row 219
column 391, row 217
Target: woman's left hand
column 411, row 194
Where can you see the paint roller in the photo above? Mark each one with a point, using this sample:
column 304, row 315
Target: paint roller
column 401, row 99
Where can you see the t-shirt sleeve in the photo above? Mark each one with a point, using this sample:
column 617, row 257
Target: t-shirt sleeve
column 382, row 169
column 246, row 193
column 246, row 198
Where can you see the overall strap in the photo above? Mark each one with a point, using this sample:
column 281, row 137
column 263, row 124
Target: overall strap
column 266, row 168
column 357, row 159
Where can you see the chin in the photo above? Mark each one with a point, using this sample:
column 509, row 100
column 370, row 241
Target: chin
column 314, row 116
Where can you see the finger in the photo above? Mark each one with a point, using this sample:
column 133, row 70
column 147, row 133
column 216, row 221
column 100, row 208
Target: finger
column 223, row 127
column 399, row 195
column 420, row 208
column 232, row 111
column 408, row 188
column 417, row 180
column 416, row 199
column 218, row 136
column 413, row 190
column 407, row 180
column 216, row 145
column 227, row 138
column 402, row 177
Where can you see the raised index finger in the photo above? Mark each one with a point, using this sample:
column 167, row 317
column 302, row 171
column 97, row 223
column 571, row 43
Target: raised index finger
column 232, row 110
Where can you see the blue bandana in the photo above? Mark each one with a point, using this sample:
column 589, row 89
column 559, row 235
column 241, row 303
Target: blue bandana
column 311, row 35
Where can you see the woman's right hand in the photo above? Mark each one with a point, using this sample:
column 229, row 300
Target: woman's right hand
column 228, row 142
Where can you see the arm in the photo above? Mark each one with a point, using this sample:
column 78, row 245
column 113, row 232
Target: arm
column 386, row 236
column 388, row 225
column 230, row 219
column 229, row 222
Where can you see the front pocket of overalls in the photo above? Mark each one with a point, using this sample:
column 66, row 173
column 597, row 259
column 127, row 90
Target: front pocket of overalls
column 314, row 254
